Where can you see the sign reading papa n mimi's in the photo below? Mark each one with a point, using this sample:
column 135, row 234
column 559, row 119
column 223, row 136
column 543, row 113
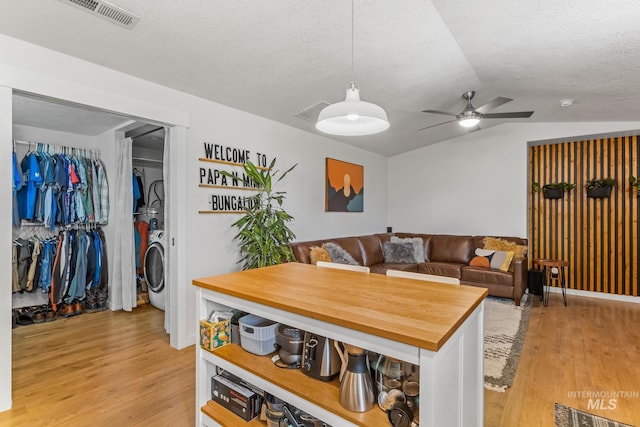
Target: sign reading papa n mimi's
column 211, row 177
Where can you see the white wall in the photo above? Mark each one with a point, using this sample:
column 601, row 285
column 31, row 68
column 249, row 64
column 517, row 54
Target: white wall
column 5, row 248
column 207, row 245
column 474, row 184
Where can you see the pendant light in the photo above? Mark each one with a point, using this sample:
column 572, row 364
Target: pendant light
column 352, row 117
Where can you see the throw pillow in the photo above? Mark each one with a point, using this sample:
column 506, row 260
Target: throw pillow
column 519, row 251
column 482, row 258
column 398, row 253
column 418, row 246
column 317, row 253
column 503, row 245
column 501, row 260
column 339, row 255
column 480, row 261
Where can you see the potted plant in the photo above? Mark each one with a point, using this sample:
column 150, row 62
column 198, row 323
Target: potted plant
column 535, row 187
column 635, row 182
column 600, row 188
column 263, row 234
column 556, row 190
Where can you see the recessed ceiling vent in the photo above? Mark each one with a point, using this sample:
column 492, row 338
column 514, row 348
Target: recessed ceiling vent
column 106, row 10
column 311, row 113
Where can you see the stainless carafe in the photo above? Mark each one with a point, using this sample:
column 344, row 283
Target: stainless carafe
column 356, row 386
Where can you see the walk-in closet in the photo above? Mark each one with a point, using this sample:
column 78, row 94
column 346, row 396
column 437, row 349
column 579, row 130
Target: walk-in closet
column 68, row 228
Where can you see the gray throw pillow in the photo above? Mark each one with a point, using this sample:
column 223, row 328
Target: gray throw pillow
column 418, row 246
column 339, row 255
column 398, row 253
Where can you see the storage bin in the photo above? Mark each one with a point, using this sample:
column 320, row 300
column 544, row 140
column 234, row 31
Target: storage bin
column 214, row 335
column 257, row 334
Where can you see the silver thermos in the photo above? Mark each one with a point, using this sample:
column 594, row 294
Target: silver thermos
column 356, row 386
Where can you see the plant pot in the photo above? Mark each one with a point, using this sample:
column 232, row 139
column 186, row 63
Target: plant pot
column 599, row 192
column 552, row 193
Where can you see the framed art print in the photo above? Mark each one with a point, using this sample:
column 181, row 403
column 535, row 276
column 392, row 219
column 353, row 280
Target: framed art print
column 345, row 187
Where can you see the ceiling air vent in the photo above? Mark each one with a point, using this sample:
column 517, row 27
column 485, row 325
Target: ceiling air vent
column 106, row 10
column 311, row 113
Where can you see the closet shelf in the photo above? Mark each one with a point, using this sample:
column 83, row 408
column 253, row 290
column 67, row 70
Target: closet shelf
column 146, row 159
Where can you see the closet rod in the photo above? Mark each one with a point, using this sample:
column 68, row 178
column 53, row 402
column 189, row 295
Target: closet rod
column 35, row 144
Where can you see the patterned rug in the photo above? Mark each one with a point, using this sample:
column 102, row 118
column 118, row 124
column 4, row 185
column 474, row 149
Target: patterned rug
column 505, row 326
column 570, row 417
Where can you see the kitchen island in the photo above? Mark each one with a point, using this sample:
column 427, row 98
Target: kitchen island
column 434, row 325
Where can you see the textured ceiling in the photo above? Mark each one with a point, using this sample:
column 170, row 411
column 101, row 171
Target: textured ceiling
column 276, row 58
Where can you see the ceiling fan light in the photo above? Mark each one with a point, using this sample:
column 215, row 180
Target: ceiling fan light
column 352, row 117
column 468, row 122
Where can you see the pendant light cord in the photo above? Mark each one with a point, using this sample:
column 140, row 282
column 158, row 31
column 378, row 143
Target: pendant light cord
column 352, row 32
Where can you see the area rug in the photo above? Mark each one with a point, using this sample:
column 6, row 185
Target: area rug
column 505, row 326
column 571, row 417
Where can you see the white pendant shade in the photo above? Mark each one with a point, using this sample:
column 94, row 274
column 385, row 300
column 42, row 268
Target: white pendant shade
column 352, row 117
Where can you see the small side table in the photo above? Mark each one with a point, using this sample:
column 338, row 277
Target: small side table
column 559, row 276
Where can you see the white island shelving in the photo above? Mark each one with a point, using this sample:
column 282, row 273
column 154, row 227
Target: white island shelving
column 436, row 326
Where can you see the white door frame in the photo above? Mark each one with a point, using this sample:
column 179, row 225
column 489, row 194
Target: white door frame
column 136, row 109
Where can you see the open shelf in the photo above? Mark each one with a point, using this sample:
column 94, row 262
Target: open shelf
column 320, row 393
column 225, row 417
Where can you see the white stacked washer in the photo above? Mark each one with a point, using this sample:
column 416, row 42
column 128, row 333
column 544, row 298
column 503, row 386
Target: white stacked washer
column 154, row 269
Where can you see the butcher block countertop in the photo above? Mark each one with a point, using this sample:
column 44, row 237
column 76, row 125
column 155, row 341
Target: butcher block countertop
column 414, row 312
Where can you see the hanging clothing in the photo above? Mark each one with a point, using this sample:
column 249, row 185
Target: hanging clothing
column 16, row 184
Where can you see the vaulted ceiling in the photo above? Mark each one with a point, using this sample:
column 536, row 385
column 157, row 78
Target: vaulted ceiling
column 277, row 58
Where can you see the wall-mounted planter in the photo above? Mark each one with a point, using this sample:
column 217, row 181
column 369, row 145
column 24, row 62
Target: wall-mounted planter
column 599, row 192
column 552, row 193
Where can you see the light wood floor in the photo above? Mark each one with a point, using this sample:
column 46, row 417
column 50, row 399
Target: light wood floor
column 591, row 345
column 101, row 369
column 117, row 369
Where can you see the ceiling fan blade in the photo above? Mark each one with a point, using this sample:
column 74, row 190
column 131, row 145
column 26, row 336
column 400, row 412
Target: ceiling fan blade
column 439, row 112
column 494, row 103
column 513, row 115
column 437, row 124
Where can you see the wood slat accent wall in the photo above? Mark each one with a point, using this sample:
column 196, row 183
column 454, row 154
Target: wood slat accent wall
column 599, row 237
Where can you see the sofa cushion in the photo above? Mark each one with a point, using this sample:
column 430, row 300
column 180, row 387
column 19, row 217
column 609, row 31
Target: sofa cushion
column 371, row 248
column 447, row 269
column 448, row 248
column 399, row 253
column 485, row 276
column 418, row 246
column 339, row 255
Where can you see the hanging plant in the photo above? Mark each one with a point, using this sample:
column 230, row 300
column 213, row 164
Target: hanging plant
column 635, row 182
column 600, row 188
column 535, row 187
column 556, row 190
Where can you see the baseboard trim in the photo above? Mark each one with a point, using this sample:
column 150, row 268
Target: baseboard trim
column 600, row 295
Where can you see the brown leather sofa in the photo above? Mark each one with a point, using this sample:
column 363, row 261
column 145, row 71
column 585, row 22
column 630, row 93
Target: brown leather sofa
column 446, row 255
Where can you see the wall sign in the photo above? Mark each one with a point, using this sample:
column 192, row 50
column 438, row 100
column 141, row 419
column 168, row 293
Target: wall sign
column 231, row 199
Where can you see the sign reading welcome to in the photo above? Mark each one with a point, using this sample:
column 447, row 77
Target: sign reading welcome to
column 211, row 177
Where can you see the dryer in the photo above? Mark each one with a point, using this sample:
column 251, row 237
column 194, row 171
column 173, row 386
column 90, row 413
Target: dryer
column 154, row 269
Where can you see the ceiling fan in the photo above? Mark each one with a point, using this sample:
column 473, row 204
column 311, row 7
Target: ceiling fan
column 470, row 116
